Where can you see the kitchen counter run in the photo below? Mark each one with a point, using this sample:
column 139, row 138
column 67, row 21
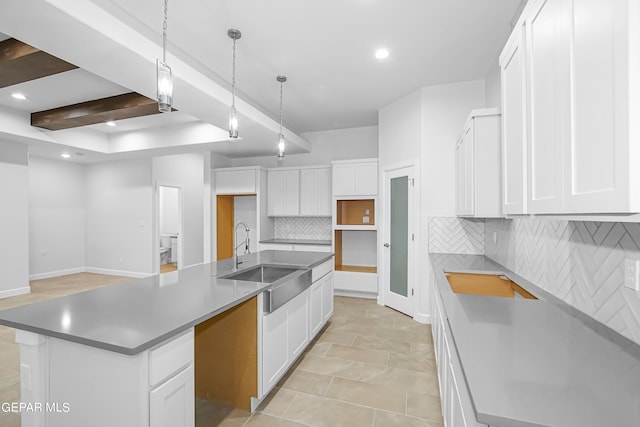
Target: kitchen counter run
column 133, row 316
column 530, row 363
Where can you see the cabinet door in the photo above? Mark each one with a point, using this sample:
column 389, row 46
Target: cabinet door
column 327, row 297
column 171, row 404
column 315, row 308
column 344, row 180
column 548, row 67
column 366, row 179
column 297, row 325
column 468, row 183
column 236, row 182
column 459, row 176
column 274, row 347
column 283, row 188
column 512, row 72
column 315, row 192
column 597, row 166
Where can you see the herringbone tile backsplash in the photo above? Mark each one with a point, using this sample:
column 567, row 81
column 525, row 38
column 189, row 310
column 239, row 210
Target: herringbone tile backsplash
column 302, row 228
column 456, row 236
column 581, row 263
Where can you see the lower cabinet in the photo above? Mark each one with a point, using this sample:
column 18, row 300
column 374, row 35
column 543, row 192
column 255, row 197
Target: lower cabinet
column 171, row 403
column 287, row 331
column 457, row 409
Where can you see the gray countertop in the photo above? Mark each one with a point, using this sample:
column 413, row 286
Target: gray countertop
column 298, row 242
column 133, row 316
column 538, row 362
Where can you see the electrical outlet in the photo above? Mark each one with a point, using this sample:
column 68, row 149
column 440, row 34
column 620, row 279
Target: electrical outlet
column 44, row 252
column 365, row 220
column 632, row 274
column 494, row 237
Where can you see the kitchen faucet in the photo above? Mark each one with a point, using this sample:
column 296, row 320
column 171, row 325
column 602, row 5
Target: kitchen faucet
column 236, row 260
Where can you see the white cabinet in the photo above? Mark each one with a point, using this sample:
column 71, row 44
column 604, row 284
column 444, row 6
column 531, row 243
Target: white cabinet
column 514, row 137
column 283, row 192
column 235, row 181
column 355, row 178
column 171, row 403
column 297, row 325
column 315, row 192
column 576, row 108
column 320, row 304
column 478, row 166
column 327, row 297
column 275, row 356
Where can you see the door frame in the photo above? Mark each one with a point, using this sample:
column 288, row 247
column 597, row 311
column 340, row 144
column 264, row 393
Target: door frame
column 156, row 232
column 384, row 297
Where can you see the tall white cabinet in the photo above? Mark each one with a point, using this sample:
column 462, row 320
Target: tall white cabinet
column 571, row 95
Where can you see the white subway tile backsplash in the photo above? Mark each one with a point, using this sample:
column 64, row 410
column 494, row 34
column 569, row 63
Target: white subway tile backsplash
column 456, row 235
column 315, row 228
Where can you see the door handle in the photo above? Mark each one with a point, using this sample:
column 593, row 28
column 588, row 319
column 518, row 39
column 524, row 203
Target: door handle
column 386, row 245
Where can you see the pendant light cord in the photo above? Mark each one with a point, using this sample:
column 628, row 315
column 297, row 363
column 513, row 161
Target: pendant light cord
column 233, row 77
column 281, row 108
column 164, row 33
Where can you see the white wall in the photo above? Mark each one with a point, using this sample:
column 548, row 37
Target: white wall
column 492, row 87
column 14, row 223
column 56, row 218
column 340, row 144
column 169, row 210
column 119, row 220
column 186, row 171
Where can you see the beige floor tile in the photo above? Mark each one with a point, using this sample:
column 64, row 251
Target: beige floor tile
column 412, row 362
column 423, row 349
column 9, row 420
column 322, row 412
column 377, row 343
column 353, row 328
column 388, row 419
column 399, row 379
column 264, row 420
column 331, row 366
column 319, row 348
column 410, row 334
column 424, row 405
column 376, row 357
column 307, row 382
column 336, row 337
column 366, row 394
column 277, row 401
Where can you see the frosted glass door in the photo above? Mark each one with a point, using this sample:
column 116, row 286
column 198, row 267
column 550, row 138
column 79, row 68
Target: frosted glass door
column 399, row 235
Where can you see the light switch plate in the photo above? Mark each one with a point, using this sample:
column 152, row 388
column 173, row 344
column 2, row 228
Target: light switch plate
column 632, row 274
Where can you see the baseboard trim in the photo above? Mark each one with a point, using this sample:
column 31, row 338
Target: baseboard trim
column 422, row 318
column 109, row 272
column 15, row 292
column 355, row 294
column 58, row 273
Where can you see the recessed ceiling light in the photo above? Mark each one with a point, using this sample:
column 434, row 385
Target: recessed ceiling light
column 382, row 53
column 65, row 155
column 110, row 124
column 19, row 96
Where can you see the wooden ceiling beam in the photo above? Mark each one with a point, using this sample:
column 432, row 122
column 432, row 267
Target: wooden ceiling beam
column 21, row 63
column 113, row 108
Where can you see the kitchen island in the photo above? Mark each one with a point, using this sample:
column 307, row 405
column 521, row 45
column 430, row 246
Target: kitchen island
column 515, row 362
column 137, row 353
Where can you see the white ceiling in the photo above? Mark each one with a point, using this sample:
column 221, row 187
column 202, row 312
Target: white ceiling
column 326, row 49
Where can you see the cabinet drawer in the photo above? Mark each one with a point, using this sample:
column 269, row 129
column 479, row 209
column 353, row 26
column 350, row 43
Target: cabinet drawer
column 320, row 270
column 170, row 357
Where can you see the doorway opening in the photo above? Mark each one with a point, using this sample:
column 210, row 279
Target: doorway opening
column 169, row 253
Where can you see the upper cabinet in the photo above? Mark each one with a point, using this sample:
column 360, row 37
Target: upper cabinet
column 315, row 192
column 236, row 181
column 355, row 177
column 571, row 90
column 299, row 192
column 478, row 166
column 283, row 192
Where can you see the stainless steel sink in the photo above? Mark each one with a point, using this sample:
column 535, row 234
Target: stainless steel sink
column 261, row 273
column 286, row 283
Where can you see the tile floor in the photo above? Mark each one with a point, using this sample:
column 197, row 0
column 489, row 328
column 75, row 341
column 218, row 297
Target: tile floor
column 371, row 366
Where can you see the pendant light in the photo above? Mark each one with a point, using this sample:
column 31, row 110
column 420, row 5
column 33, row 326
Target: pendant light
column 233, row 114
column 164, row 76
column 281, row 79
